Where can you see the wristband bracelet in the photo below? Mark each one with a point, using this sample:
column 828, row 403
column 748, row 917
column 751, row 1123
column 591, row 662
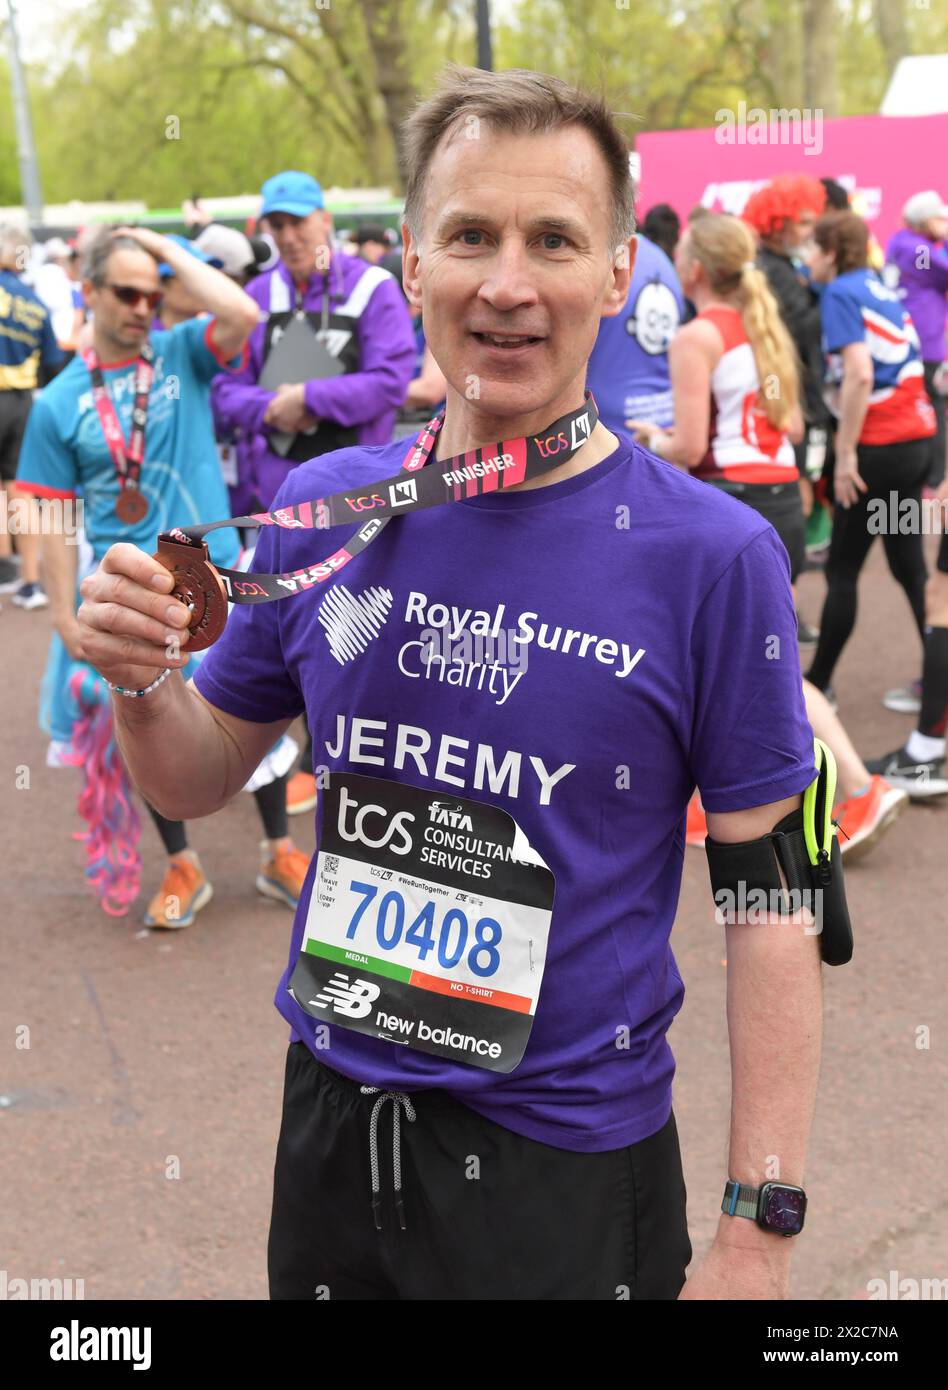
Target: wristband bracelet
column 134, row 694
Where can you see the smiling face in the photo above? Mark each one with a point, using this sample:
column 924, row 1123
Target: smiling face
column 513, row 272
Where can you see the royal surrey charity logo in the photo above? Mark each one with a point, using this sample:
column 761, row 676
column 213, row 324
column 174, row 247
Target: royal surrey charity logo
column 352, row 621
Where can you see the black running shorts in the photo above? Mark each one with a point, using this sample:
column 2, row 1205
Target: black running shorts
column 488, row 1213
column 14, row 409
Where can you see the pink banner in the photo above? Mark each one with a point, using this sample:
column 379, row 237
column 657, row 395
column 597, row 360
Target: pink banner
column 882, row 160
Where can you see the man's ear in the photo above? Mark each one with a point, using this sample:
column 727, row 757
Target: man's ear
column 617, row 291
column 411, row 260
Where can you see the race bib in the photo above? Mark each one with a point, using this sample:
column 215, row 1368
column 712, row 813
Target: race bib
column 428, row 922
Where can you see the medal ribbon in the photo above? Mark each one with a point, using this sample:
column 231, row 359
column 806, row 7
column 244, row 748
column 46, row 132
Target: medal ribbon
column 491, row 468
column 126, row 462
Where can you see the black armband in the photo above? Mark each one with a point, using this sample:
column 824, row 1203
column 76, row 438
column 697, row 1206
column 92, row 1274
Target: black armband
column 797, row 865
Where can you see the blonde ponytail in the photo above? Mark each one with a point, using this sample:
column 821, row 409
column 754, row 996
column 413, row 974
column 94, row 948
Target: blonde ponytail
column 725, row 247
column 772, row 346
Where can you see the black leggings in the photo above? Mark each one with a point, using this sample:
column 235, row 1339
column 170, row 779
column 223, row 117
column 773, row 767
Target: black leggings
column 271, row 803
column 886, row 469
column 936, row 464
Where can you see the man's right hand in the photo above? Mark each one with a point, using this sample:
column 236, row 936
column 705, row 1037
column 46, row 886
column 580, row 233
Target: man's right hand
column 131, row 630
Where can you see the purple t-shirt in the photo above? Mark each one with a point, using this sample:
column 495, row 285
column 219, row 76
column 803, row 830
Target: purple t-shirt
column 681, row 669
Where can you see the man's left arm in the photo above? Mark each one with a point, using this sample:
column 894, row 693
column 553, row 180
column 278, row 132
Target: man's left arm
column 752, row 756
column 388, row 359
column 774, row 1014
column 234, row 313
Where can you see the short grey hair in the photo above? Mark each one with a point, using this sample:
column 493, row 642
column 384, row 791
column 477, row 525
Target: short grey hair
column 13, row 238
column 517, row 102
column 95, row 257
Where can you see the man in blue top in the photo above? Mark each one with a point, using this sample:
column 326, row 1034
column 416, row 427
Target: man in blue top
column 628, row 368
column 66, row 453
column 633, row 614
column 29, row 354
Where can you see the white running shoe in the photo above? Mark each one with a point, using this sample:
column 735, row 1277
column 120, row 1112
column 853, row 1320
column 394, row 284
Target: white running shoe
column 906, row 700
column 30, row 596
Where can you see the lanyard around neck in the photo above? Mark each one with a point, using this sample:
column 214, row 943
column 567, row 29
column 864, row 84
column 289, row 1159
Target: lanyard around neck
column 423, row 482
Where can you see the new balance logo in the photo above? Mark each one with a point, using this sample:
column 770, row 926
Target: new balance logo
column 353, row 999
column 351, row 621
column 401, row 494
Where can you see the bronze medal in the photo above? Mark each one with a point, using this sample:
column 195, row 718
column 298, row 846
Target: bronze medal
column 131, row 505
column 198, row 586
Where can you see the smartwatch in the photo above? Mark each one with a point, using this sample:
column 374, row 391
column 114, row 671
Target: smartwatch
column 775, row 1206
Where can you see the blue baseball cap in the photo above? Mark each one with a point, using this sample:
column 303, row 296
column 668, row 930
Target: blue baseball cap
column 293, row 192
column 164, row 269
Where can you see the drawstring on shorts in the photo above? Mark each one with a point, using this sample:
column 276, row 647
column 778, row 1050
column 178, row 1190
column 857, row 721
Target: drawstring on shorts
column 398, row 1099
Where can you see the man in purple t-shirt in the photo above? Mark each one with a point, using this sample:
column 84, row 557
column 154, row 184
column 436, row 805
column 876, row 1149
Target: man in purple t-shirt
column 512, row 699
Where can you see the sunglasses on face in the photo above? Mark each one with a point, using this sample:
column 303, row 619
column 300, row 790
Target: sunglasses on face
column 126, row 294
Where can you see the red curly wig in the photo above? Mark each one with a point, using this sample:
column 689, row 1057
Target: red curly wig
column 783, row 200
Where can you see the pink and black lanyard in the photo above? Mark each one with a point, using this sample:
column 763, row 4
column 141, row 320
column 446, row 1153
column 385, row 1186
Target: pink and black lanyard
column 126, row 462
column 491, row 468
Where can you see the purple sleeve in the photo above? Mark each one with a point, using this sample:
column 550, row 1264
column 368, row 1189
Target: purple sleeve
column 751, row 743
column 246, row 672
column 938, row 269
column 388, row 360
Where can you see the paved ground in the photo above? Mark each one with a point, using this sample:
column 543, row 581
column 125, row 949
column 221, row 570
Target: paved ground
column 134, row 1062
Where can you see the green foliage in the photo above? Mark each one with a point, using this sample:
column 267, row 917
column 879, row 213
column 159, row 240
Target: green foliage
column 9, row 171
column 259, row 85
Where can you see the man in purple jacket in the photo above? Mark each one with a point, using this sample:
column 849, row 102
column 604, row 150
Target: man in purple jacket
column 367, row 329
column 917, row 265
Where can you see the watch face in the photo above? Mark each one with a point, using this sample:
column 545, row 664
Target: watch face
column 783, row 1208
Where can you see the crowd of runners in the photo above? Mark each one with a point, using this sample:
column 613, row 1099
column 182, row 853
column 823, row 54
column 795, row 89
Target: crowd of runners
column 782, row 357
column 700, row 413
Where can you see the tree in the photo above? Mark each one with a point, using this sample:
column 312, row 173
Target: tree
column 819, row 57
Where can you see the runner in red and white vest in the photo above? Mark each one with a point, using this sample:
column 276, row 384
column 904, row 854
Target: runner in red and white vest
column 735, row 381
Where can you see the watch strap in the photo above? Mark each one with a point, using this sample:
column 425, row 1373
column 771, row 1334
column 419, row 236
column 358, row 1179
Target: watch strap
column 740, row 1200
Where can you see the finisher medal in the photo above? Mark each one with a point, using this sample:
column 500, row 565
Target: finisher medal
column 197, row 586
column 131, row 505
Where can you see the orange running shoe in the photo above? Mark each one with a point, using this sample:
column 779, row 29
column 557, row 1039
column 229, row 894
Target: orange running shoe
column 863, row 820
column 696, row 831
column 281, row 877
column 184, row 891
column 300, row 793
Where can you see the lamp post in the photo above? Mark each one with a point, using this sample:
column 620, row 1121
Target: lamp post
column 485, row 56
column 26, row 149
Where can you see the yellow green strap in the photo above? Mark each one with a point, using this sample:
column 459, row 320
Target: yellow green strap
column 818, row 800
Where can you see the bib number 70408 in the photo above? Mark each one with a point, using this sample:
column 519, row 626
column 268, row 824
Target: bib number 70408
column 450, row 938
